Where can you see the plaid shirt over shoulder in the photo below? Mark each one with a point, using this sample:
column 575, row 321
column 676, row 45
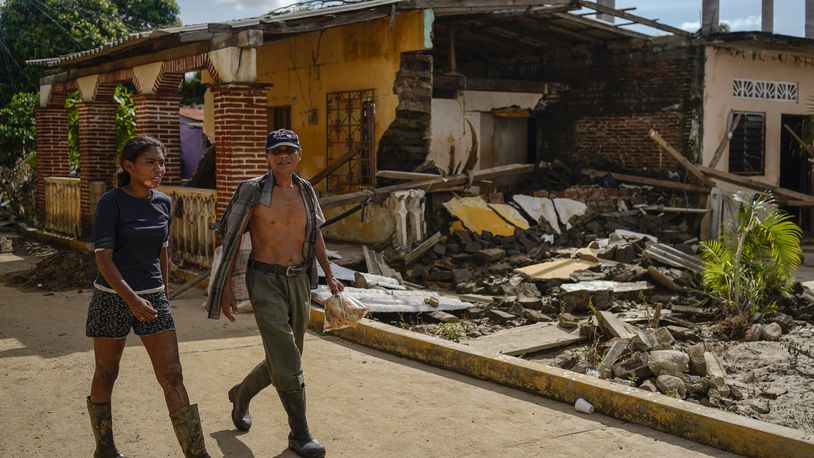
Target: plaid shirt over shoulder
column 235, row 219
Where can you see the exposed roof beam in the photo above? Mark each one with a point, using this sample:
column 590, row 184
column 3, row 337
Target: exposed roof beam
column 632, row 17
column 602, row 25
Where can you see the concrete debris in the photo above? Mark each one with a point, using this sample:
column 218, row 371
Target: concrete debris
column 540, row 209
column 672, row 362
column 476, row 216
column 771, row 331
column 671, row 386
column 568, row 209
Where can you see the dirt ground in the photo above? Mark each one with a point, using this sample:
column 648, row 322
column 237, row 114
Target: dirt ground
column 362, row 402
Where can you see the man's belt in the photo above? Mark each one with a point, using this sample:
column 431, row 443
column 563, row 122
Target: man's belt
column 289, row 271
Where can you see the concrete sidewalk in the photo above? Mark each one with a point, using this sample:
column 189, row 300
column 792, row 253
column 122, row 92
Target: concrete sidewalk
column 361, row 402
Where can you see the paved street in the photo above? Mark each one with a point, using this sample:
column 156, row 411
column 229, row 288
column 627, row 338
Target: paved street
column 362, row 403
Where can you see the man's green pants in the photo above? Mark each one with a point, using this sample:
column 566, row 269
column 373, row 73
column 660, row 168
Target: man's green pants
column 282, row 310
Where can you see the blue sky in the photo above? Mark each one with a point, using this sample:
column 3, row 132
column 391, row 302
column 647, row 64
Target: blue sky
column 686, row 14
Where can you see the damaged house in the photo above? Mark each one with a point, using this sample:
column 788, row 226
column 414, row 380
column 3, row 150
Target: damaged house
column 407, row 85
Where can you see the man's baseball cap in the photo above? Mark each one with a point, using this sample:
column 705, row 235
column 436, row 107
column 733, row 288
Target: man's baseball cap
column 282, row 137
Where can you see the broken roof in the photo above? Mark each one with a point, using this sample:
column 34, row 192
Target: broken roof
column 547, row 19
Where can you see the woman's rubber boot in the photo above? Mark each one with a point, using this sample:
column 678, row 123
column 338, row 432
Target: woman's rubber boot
column 241, row 394
column 187, row 425
column 101, row 420
column 299, row 440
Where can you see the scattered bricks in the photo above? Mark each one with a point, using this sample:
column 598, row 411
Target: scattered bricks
column 670, row 362
column 530, row 302
column 499, row 316
column 671, row 386
column 615, row 352
column 519, row 260
column 500, row 268
column 720, row 384
column 771, row 332
column 444, row 317
column 698, row 365
column 578, row 300
column 461, row 237
column 536, row 316
column 444, row 264
column 643, row 340
column 464, row 288
column 438, row 275
column 648, row 385
column 783, row 320
column 664, row 339
column 516, row 310
column 490, row 254
column 633, row 366
column 773, row 392
column 461, row 276
column 568, row 321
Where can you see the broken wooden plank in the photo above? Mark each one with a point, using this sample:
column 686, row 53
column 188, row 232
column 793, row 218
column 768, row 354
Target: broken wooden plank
column 648, row 181
column 425, row 246
column 428, row 185
column 633, row 18
column 558, row 268
column 188, row 285
column 617, row 328
column 806, row 147
column 731, row 125
column 714, row 366
column 364, row 280
column 668, row 255
column 525, row 339
column 370, row 261
column 322, row 174
column 663, row 209
column 680, row 158
column 410, row 176
column 781, row 193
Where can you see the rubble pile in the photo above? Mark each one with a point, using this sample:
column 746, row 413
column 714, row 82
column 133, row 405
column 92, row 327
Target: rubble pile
column 59, row 272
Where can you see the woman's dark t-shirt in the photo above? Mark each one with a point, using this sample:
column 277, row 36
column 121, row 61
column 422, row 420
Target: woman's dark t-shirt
column 136, row 229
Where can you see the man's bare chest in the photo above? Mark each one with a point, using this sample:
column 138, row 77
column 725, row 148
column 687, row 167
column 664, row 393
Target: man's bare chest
column 287, row 210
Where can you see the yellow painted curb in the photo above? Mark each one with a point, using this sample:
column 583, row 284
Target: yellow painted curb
column 695, row 422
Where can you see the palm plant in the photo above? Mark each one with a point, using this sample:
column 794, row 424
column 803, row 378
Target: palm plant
column 754, row 260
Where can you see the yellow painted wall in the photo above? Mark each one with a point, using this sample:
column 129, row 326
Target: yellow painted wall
column 304, row 69
column 721, row 68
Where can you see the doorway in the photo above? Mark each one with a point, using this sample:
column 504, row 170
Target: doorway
column 795, row 168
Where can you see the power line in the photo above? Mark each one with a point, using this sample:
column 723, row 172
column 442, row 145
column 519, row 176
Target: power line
column 37, row 3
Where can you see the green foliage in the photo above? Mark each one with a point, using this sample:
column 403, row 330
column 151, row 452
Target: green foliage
column 125, row 117
column 73, row 130
column 192, row 90
column 450, row 331
column 148, row 14
column 37, row 29
column 755, row 259
column 17, row 129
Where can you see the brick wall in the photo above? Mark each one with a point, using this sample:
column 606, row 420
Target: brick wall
column 52, row 150
column 615, row 94
column 240, row 136
column 97, row 147
column 157, row 116
column 406, row 142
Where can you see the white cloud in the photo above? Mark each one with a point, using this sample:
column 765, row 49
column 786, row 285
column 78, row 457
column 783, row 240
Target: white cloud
column 747, row 23
column 244, row 4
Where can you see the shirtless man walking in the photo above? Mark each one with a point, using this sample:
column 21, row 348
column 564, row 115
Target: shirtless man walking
column 282, row 214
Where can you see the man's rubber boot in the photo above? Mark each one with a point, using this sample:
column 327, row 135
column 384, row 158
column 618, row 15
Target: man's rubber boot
column 101, row 420
column 187, row 424
column 241, row 394
column 300, row 440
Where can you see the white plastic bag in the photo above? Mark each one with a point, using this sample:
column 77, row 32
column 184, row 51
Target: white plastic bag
column 342, row 311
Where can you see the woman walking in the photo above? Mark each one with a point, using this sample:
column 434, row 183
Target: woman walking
column 131, row 234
